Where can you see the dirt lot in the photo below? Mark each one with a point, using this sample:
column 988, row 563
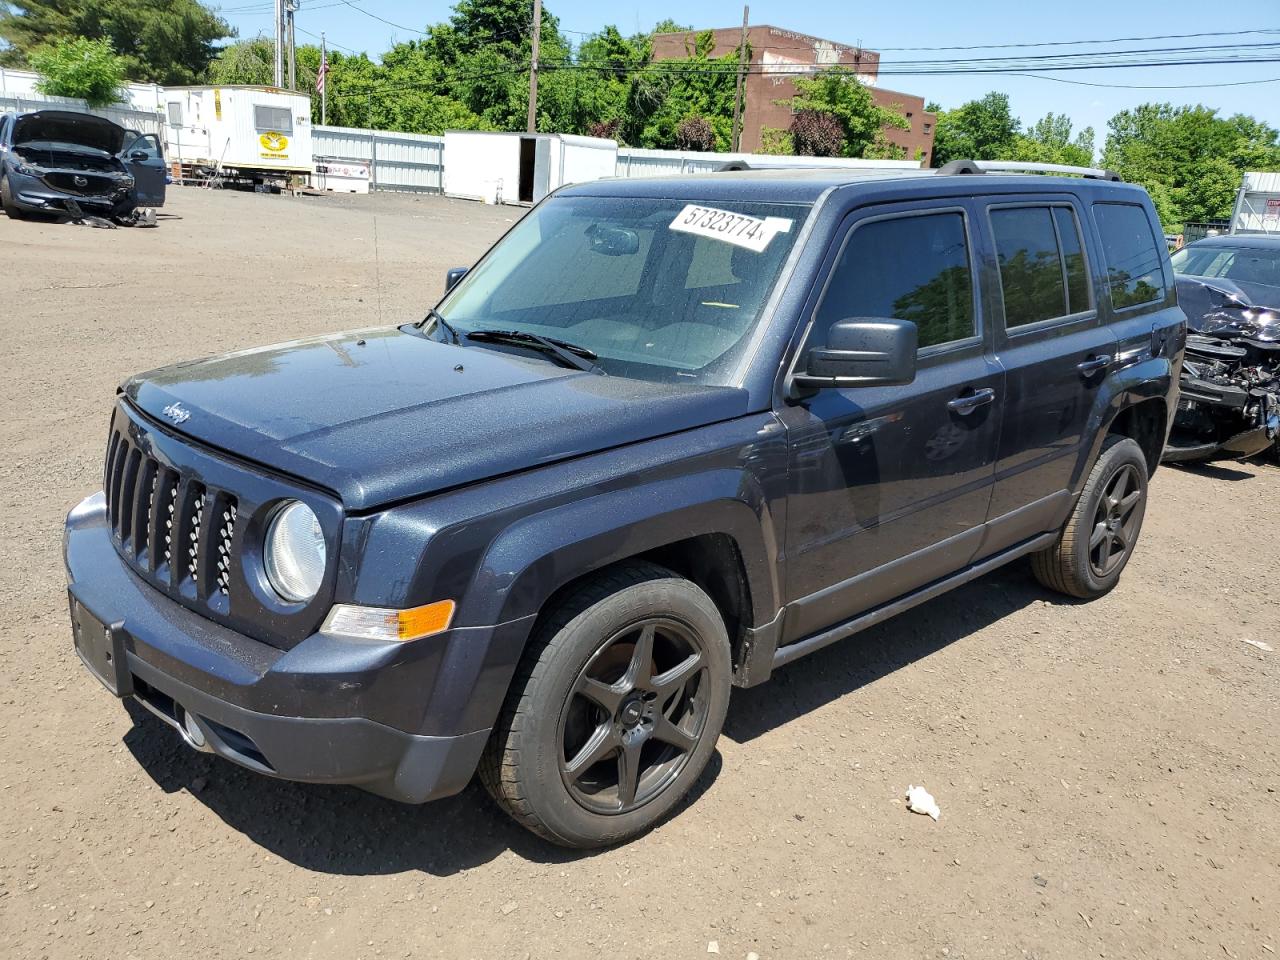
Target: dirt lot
column 1108, row 773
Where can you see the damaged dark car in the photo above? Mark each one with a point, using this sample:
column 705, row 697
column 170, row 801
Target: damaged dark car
column 65, row 163
column 1229, row 287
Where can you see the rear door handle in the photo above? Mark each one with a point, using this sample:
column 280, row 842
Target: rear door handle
column 1094, row 364
column 971, row 401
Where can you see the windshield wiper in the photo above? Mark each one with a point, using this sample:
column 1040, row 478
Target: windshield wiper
column 569, row 354
column 438, row 317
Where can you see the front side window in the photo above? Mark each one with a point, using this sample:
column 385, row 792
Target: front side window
column 147, row 143
column 910, row 268
column 1042, row 270
column 1135, row 271
column 656, row 289
column 273, row 119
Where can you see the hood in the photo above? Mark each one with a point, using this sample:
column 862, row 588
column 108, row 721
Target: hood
column 383, row 415
column 1230, row 308
column 69, row 129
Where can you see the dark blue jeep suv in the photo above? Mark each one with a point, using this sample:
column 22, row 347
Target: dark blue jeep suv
column 666, row 436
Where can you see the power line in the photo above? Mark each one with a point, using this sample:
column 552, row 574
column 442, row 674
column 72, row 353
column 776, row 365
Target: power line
column 1150, row 86
column 391, row 23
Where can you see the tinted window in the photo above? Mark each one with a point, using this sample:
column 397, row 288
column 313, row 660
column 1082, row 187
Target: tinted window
column 1134, row 271
column 1078, row 299
column 1042, row 271
column 1031, row 275
column 911, row 268
column 147, row 144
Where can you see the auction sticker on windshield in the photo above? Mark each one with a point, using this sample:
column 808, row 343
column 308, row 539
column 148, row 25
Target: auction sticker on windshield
column 754, row 233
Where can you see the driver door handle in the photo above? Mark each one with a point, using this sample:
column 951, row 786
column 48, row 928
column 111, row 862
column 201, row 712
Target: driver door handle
column 1094, row 364
column 971, row 401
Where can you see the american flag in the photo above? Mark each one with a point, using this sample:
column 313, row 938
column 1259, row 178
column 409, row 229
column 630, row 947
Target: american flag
column 321, row 74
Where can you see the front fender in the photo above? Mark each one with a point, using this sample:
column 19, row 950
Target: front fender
column 541, row 553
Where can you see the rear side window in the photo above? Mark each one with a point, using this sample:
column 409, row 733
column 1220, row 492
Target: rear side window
column 1134, row 261
column 1042, row 273
column 913, row 268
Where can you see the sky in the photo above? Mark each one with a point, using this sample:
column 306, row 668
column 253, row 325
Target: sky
column 354, row 25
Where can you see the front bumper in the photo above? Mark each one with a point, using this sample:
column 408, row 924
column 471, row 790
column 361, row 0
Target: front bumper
column 32, row 193
column 287, row 713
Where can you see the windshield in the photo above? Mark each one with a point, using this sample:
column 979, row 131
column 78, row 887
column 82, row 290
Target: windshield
column 654, row 289
column 1243, row 264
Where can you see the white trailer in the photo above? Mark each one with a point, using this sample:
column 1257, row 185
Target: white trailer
column 522, row 167
column 1257, row 207
column 259, row 135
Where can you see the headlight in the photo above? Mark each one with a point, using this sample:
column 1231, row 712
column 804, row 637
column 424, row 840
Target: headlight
column 295, row 555
column 26, row 170
column 127, row 182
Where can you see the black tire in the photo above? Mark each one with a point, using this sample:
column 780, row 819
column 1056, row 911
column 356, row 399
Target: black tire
column 1098, row 538
column 11, row 209
column 588, row 704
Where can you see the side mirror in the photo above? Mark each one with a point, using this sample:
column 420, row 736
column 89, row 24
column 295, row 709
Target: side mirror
column 139, row 155
column 862, row 352
column 452, row 276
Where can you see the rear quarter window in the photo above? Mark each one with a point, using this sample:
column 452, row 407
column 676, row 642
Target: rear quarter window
column 1134, row 261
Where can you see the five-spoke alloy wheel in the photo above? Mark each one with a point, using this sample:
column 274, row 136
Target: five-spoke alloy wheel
column 615, row 711
column 1099, row 536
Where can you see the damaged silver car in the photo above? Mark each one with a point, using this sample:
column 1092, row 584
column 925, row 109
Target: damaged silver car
column 1229, row 288
column 66, row 163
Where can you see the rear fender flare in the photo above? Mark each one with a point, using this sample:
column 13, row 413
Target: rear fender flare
column 1151, row 379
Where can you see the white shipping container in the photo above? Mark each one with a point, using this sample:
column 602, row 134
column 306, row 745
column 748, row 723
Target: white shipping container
column 521, row 167
column 239, row 128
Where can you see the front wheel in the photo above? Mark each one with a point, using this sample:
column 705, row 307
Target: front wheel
column 615, row 711
column 1099, row 536
column 7, row 202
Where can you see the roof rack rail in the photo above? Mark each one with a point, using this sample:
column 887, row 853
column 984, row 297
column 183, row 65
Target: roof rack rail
column 1026, row 166
column 732, row 165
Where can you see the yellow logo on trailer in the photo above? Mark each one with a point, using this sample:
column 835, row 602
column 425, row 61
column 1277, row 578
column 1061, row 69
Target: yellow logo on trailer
column 273, row 143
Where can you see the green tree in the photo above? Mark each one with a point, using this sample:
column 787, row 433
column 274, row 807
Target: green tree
column 88, row 70
column 163, row 41
column 1050, row 140
column 1189, row 158
column 664, row 94
column 982, row 129
column 839, row 92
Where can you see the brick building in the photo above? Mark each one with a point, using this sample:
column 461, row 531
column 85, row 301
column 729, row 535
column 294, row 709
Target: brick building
column 777, row 55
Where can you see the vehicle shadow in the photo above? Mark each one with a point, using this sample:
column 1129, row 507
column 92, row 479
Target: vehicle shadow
column 343, row 830
column 848, row 665
column 1215, row 471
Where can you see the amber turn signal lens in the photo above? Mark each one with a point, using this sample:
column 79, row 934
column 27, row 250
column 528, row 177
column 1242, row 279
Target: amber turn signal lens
column 381, row 623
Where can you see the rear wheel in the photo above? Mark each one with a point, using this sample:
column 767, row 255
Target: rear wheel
column 1099, row 536
column 616, row 710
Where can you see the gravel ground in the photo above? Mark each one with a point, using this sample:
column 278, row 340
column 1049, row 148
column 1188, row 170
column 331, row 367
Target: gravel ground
column 1107, row 772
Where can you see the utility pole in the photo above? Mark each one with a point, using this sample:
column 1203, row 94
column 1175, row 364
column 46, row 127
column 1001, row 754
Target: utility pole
column 290, row 8
column 737, row 91
column 279, row 57
column 324, row 81
column 533, row 66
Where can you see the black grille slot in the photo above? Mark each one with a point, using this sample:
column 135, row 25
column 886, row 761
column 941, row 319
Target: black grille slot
column 169, row 511
column 226, row 527
column 192, row 527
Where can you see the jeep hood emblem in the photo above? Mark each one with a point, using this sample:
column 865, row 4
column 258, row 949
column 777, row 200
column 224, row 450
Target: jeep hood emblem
column 177, row 413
